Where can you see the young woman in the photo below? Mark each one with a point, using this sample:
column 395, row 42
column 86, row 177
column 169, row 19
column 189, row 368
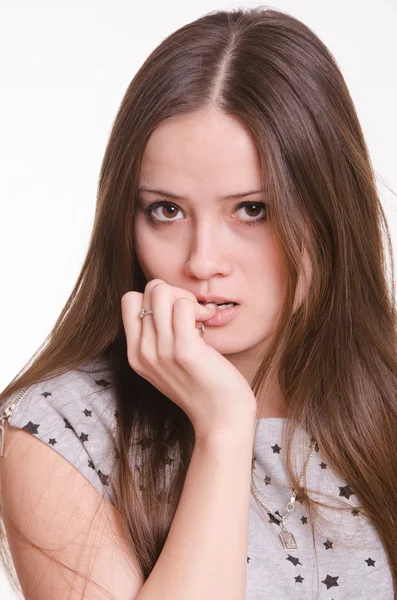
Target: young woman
column 220, row 388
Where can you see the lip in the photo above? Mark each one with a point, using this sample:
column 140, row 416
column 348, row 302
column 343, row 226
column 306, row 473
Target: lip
column 213, row 298
column 222, row 316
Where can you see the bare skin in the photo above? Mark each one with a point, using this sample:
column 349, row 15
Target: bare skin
column 207, row 246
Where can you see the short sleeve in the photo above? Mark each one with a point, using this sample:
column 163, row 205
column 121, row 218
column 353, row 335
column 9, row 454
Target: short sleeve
column 75, row 414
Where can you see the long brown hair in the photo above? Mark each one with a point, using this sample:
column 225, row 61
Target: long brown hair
column 335, row 355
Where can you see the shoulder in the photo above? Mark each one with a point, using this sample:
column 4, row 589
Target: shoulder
column 74, row 414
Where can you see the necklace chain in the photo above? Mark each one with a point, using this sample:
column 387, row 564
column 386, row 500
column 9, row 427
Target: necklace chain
column 287, row 538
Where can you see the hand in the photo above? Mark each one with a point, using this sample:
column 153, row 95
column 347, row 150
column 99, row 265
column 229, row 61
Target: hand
column 166, row 349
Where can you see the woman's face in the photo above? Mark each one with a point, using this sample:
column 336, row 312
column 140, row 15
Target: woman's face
column 203, row 241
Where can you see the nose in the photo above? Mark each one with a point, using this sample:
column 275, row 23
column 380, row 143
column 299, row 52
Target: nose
column 208, row 253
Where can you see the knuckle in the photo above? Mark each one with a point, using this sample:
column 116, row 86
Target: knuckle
column 132, row 360
column 127, row 297
column 146, row 356
column 165, row 355
column 182, row 354
column 153, row 283
column 160, row 289
column 183, row 301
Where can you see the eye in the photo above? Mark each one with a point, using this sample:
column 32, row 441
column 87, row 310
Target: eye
column 172, row 210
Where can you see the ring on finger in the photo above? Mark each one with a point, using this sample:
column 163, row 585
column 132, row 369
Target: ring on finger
column 148, row 311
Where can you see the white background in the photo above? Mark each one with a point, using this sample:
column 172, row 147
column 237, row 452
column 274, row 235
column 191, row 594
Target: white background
column 65, row 66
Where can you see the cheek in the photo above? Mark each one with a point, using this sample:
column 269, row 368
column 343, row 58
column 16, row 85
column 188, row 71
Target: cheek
column 273, row 272
column 155, row 260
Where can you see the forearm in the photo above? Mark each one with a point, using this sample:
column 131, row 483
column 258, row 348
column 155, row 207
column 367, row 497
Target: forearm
column 205, row 554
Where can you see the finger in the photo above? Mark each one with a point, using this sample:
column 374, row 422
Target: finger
column 162, row 299
column 148, row 341
column 131, row 304
column 185, row 316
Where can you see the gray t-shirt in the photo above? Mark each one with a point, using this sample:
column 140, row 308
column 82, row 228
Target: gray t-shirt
column 75, row 414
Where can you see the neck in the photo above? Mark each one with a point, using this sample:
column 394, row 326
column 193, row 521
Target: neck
column 270, row 404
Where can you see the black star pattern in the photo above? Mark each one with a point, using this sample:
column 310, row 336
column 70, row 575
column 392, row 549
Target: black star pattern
column 370, row 562
column 102, row 382
column 68, row 425
column 45, row 394
column 103, row 478
column 345, row 491
column 295, row 561
column 88, row 413
column 52, row 441
column 276, row 449
column 328, row 544
column 304, row 520
column 267, row 480
column 31, row 427
column 330, row 581
column 323, row 465
column 83, row 437
column 273, row 519
column 299, row 579
column 91, row 465
column 355, row 512
column 248, row 559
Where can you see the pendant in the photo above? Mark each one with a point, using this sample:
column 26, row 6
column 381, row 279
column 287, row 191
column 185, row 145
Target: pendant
column 288, row 540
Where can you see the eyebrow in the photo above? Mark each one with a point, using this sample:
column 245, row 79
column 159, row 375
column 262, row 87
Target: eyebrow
column 144, row 188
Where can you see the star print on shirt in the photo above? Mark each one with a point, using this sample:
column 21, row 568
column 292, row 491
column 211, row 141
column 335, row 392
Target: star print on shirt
column 103, row 478
column 330, row 581
column 268, row 467
column 273, row 519
column 68, row 425
column 31, row 427
column 345, row 491
column 294, row 559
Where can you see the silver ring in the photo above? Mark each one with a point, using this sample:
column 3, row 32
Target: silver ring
column 148, row 311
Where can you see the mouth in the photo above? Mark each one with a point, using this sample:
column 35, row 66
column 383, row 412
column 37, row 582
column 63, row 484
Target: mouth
column 221, row 305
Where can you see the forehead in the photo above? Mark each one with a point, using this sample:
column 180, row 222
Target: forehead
column 201, row 149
